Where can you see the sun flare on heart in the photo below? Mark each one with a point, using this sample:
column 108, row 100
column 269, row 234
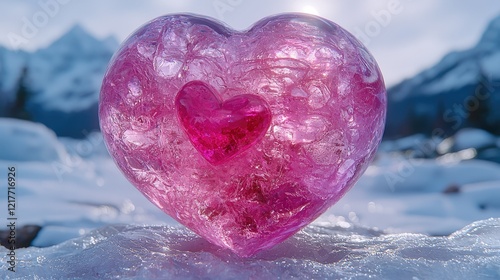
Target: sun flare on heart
column 310, row 9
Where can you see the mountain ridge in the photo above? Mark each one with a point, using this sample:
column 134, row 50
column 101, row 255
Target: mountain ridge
column 455, row 93
column 63, row 81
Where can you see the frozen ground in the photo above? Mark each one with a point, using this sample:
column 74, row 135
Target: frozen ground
column 76, row 188
column 333, row 252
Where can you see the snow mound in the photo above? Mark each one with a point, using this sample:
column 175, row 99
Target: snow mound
column 331, row 252
column 27, row 141
column 473, row 138
column 412, row 142
column 397, row 174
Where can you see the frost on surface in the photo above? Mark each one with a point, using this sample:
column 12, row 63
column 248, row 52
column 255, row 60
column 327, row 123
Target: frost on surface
column 317, row 252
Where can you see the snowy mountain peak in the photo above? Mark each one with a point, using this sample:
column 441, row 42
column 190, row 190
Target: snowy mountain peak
column 75, row 40
column 78, row 30
column 491, row 36
column 61, row 81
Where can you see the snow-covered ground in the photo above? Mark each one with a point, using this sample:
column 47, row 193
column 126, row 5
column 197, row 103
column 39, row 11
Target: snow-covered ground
column 317, row 252
column 72, row 187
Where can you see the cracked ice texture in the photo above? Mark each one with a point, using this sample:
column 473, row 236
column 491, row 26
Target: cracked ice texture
column 317, row 252
column 326, row 96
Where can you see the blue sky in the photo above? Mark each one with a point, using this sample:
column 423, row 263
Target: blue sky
column 405, row 36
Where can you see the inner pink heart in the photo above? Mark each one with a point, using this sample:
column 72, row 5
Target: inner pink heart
column 221, row 130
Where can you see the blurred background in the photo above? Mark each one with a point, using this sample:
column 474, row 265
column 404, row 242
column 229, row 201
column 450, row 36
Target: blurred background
column 436, row 171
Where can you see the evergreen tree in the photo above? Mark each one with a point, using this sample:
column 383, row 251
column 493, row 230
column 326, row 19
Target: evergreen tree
column 18, row 110
column 479, row 101
column 418, row 122
column 439, row 121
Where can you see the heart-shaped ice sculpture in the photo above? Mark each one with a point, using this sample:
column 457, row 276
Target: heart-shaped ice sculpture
column 243, row 137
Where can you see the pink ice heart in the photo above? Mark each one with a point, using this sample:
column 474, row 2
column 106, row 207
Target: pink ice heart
column 221, row 130
column 243, row 137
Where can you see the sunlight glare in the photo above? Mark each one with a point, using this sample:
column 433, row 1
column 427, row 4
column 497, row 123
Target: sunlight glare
column 308, row 9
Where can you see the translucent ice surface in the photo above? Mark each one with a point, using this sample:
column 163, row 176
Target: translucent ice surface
column 337, row 251
column 243, row 137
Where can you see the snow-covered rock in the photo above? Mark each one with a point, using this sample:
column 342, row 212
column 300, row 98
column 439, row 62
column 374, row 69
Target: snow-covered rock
column 473, row 138
column 27, row 141
column 412, row 142
column 317, row 252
